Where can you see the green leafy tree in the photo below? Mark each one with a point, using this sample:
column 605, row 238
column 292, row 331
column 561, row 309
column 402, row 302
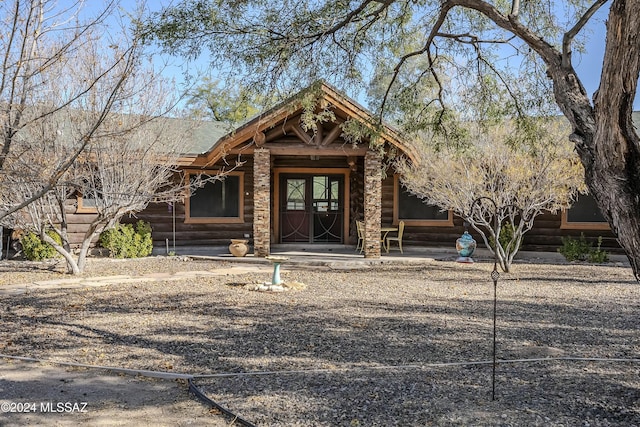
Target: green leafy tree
column 230, row 104
column 467, row 46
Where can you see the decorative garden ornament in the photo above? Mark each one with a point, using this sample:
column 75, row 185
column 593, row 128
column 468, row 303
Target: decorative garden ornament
column 238, row 247
column 465, row 245
column 276, row 260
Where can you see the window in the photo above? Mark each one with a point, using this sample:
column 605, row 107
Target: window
column 86, row 203
column 584, row 214
column 413, row 211
column 219, row 201
column 296, row 189
column 89, row 195
column 326, row 193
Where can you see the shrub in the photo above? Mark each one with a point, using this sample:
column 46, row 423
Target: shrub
column 506, row 234
column 597, row 255
column 123, row 241
column 35, row 249
column 581, row 250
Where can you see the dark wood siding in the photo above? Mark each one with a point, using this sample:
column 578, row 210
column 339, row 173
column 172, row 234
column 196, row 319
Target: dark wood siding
column 546, row 235
column 434, row 236
column 161, row 218
column 77, row 223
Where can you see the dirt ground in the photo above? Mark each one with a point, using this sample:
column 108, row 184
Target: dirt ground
column 41, row 394
column 366, row 345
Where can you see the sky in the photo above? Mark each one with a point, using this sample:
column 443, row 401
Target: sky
column 588, row 65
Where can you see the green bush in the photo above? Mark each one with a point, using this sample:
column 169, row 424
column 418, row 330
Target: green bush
column 597, row 255
column 581, row 250
column 506, row 234
column 35, row 249
column 123, row 241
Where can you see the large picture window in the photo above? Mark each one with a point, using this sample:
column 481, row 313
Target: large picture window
column 584, row 214
column 413, row 211
column 220, row 201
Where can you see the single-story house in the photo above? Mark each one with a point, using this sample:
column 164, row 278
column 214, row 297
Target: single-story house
column 297, row 186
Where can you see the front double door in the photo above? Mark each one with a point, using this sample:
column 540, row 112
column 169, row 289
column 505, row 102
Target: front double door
column 311, row 208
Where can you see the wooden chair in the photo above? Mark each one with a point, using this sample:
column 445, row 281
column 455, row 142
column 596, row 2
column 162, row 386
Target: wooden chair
column 360, row 230
column 397, row 238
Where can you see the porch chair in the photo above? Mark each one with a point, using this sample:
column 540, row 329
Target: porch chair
column 397, row 238
column 360, row 230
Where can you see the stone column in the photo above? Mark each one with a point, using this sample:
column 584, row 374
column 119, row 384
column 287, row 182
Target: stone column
column 261, row 202
column 372, row 203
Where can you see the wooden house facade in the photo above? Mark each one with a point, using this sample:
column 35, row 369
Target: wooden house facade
column 292, row 185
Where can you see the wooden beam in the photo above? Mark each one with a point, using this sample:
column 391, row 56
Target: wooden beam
column 289, row 149
column 317, row 138
column 343, row 107
column 332, row 136
column 279, row 131
column 247, row 131
column 304, row 137
column 306, row 150
column 275, row 133
column 259, row 139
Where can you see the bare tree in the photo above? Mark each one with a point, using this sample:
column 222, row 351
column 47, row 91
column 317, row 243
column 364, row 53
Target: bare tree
column 48, row 68
column 89, row 121
column 522, row 178
column 124, row 173
column 131, row 160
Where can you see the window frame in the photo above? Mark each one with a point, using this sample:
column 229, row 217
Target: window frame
column 415, row 222
column 565, row 224
column 188, row 219
column 81, row 208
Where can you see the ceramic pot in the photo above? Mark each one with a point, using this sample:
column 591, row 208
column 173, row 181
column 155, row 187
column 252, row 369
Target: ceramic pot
column 238, row 247
column 465, row 245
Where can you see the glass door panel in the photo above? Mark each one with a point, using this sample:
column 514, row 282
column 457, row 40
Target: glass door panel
column 327, row 209
column 294, row 221
column 311, row 208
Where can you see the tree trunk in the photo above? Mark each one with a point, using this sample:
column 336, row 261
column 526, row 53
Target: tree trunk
column 85, row 246
column 72, row 265
column 613, row 176
column 605, row 139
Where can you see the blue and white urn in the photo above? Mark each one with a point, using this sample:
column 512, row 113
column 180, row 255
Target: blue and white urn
column 465, row 245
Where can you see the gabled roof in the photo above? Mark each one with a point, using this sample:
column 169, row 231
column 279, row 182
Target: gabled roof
column 339, row 102
column 198, row 134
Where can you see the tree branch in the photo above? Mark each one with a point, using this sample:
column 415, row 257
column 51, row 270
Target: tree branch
column 570, row 35
column 515, row 8
column 444, row 10
column 549, row 54
column 468, row 38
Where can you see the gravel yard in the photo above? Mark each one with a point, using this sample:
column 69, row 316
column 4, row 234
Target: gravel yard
column 404, row 345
